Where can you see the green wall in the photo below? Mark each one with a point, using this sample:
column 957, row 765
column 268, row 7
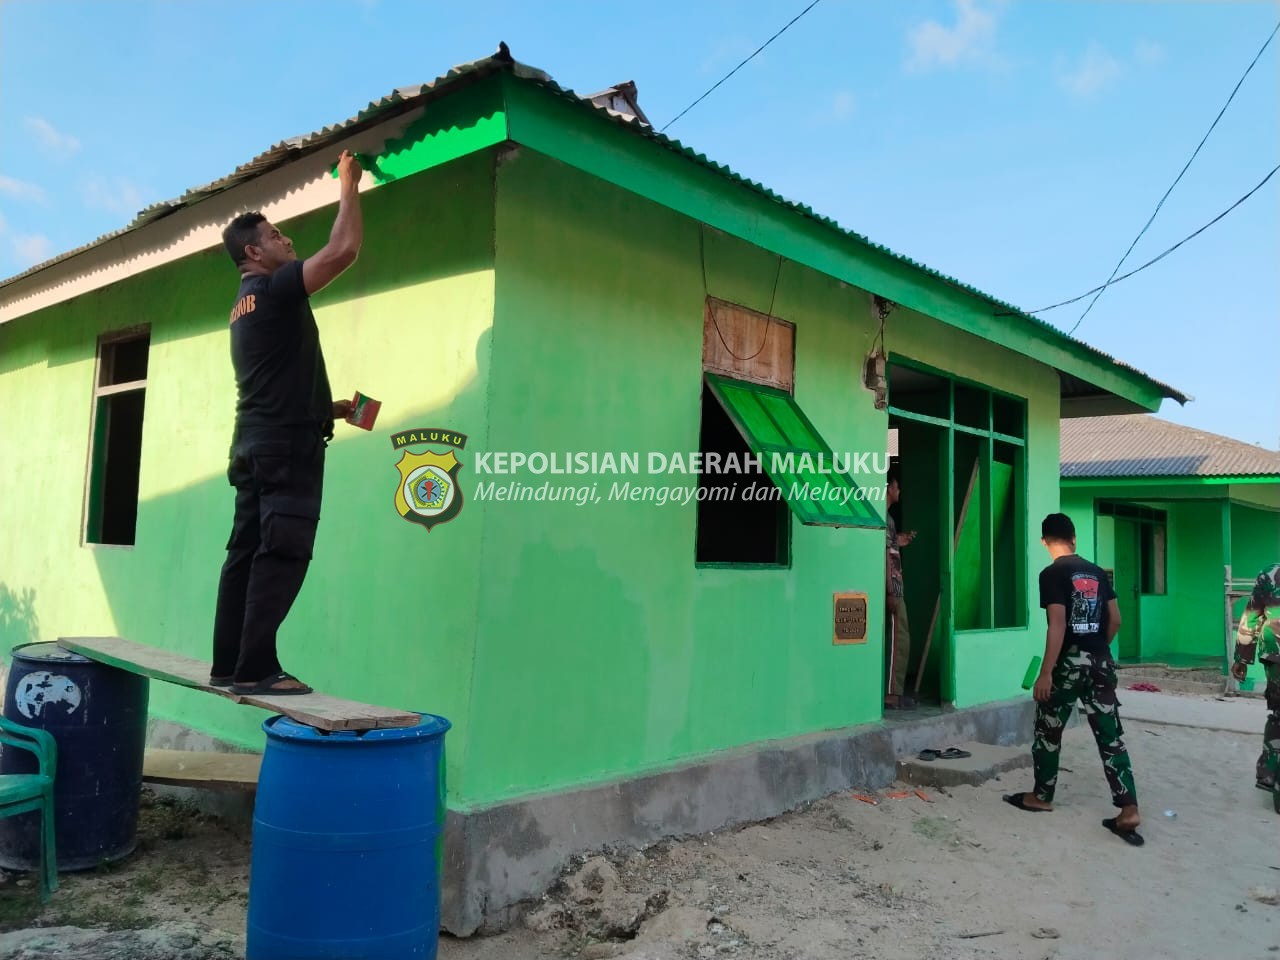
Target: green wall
column 1090, row 543
column 387, row 613
column 1255, row 539
column 603, row 650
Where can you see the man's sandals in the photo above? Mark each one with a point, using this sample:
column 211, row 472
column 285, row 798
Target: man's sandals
column 1127, row 834
column 267, row 687
column 1016, row 800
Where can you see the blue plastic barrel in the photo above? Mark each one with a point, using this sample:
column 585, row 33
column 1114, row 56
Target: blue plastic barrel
column 98, row 716
column 345, row 830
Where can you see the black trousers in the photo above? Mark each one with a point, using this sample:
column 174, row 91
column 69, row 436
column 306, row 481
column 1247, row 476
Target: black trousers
column 278, row 475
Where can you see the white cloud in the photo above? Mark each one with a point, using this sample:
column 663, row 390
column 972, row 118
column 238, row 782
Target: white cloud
column 31, row 248
column 970, row 40
column 21, row 189
column 27, row 249
column 112, row 194
column 843, row 105
column 1148, row 53
column 50, row 139
column 1094, row 70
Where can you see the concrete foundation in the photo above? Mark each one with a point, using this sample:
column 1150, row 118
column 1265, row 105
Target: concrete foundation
column 500, row 856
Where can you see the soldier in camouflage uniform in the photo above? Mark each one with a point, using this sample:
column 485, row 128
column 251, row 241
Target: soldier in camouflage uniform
column 1259, row 635
column 1083, row 617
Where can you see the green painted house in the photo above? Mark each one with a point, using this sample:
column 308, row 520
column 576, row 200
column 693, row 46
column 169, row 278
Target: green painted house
column 1185, row 520
column 579, row 312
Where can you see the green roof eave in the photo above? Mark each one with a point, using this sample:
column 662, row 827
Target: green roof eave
column 466, row 121
column 576, row 133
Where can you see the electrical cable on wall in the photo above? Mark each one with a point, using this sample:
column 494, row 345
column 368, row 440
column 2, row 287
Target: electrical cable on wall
column 706, row 293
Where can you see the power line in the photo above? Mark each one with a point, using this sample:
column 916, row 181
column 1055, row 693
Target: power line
column 741, row 65
column 1175, row 182
column 1157, row 259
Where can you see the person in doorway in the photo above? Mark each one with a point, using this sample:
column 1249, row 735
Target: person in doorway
column 1259, row 636
column 1083, row 618
column 899, row 632
column 285, row 413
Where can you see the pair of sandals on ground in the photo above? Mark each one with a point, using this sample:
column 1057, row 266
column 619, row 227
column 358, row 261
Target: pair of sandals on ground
column 277, row 685
column 1128, row 834
column 951, row 753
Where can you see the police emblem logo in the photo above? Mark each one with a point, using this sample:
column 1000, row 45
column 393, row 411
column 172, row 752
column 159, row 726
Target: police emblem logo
column 428, row 492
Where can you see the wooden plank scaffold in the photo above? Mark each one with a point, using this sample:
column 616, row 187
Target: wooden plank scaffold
column 313, row 709
column 206, row 769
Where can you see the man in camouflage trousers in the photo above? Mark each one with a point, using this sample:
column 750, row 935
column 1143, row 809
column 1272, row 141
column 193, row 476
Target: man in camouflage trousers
column 1083, row 617
column 1259, row 635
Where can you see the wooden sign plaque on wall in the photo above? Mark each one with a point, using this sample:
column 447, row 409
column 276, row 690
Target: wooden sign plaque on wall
column 850, row 618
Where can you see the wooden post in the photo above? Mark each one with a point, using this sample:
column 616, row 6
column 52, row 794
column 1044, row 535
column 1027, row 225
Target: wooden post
column 1231, row 686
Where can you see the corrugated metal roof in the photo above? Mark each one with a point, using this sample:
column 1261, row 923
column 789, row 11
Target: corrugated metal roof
column 1140, row 445
column 400, row 100
column 406, row 98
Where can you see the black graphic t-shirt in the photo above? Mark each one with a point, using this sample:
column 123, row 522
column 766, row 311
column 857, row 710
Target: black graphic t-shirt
column 281, row 379
column 1084, row 590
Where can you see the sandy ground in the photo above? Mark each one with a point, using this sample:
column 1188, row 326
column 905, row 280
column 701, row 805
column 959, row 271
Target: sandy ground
column 963, row 876
column 187, row 867
column 909, row 879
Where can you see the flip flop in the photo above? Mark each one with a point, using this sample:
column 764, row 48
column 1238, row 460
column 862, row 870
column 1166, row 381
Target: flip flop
column 221, row 681
column 954, row 753
column 1015, row 800
column 928, row 754
column 266, row 687
column 1131, row 837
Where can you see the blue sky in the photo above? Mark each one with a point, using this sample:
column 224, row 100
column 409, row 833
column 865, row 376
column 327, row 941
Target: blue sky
column 1018, row 146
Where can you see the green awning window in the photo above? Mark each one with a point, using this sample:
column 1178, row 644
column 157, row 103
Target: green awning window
column 794, row 455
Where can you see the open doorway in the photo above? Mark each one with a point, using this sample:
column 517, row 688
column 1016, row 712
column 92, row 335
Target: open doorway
column 961, row 456
column 1131, row 540
column 921, row 464
column 918, row 449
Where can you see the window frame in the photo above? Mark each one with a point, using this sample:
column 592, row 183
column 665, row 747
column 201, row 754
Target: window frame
column 987, row 436
column 95, row 458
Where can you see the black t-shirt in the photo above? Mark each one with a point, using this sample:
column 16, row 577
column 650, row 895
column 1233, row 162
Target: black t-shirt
column 1084, row 590
column 281, row 379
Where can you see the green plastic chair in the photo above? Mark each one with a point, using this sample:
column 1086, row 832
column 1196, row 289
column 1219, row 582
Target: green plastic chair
column 25, row 792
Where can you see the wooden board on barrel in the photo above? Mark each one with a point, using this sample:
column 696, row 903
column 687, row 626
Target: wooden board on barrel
column 314, row 709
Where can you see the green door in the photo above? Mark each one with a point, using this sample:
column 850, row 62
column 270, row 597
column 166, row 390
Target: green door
column 1127, row 578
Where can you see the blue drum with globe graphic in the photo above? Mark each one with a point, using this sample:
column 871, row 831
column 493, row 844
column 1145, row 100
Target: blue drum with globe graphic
column 98, row 716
